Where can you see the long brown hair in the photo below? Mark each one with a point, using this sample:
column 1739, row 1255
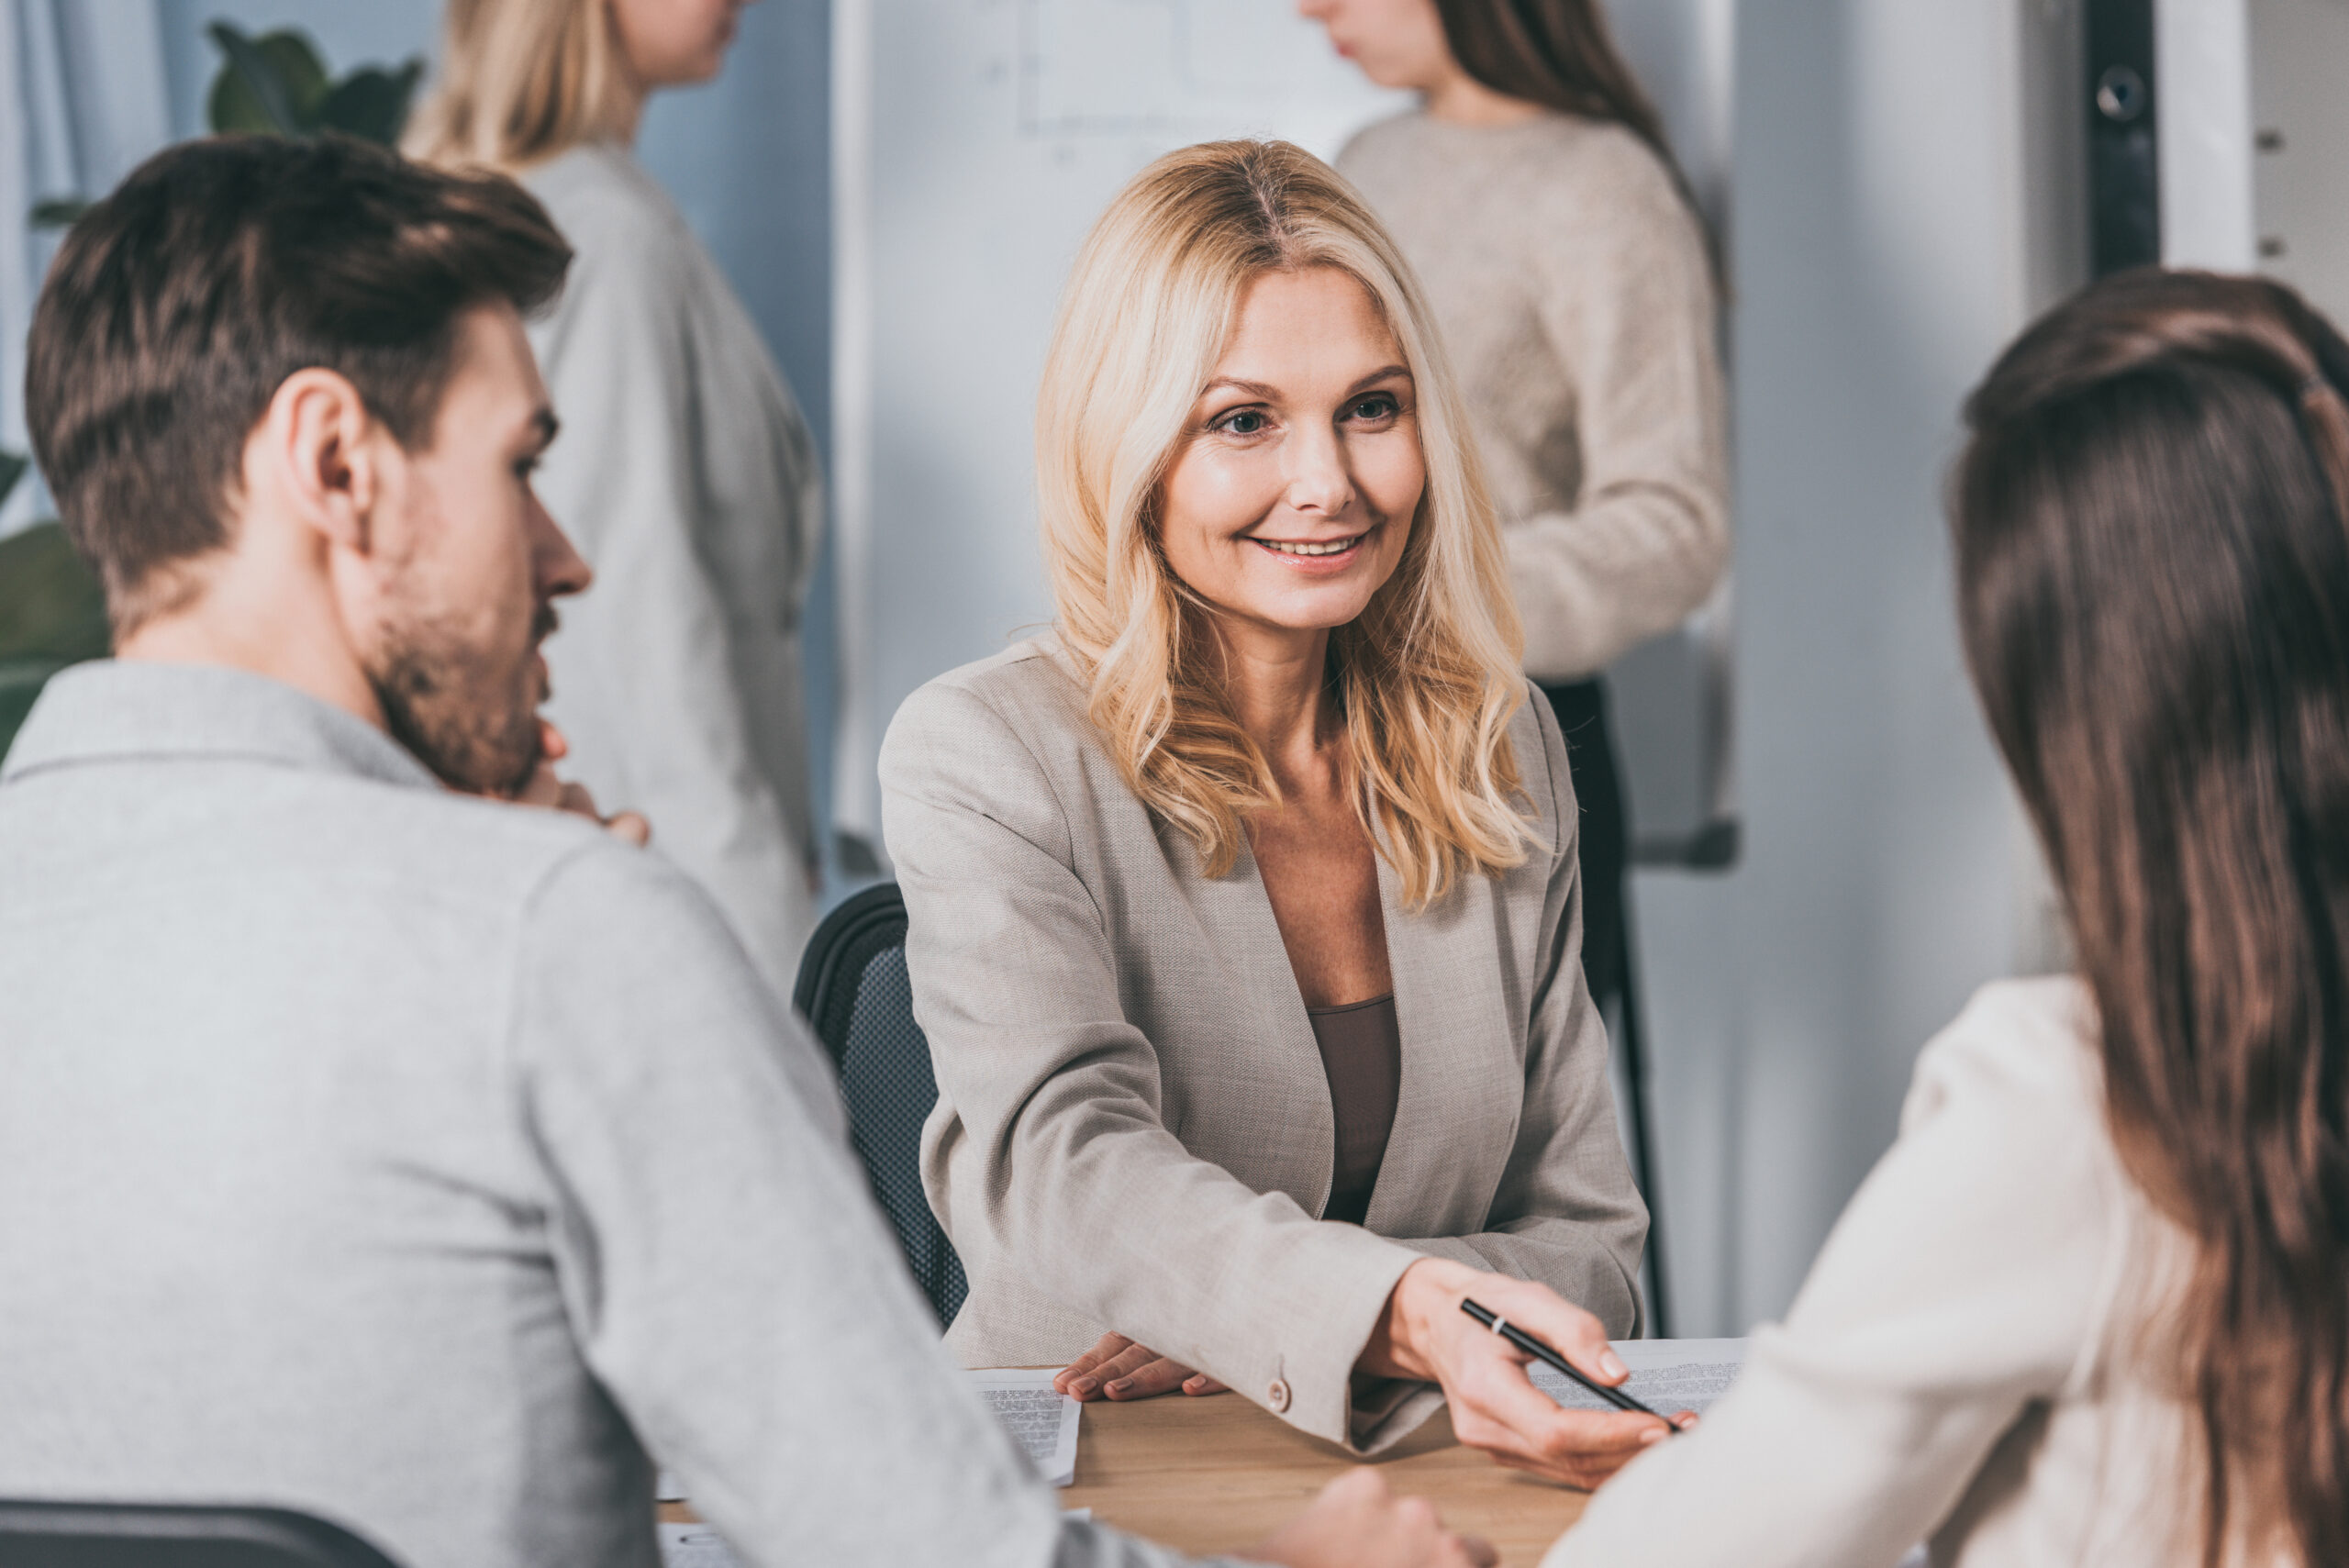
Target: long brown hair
column 2151, row 524
column 1559, row 54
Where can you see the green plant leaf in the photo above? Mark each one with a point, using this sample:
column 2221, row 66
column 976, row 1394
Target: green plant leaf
column 52, row 614
column 372, row 103
column 58, row 212
column 274, row 83
column 51, row 607
column 12, row 469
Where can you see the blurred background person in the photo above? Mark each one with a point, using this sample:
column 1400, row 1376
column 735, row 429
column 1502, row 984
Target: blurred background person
column 685, row 471
column 1535, row 195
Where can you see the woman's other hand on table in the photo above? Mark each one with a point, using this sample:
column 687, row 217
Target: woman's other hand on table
column 1424, row 1335
column 1120, row 1369
column 1357, row 1523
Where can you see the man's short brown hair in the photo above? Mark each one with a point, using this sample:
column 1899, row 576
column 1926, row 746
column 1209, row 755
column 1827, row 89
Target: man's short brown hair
column 178, row 305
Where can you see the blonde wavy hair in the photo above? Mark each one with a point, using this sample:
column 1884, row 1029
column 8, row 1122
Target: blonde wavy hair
column 520, row 81
column 1427, row 678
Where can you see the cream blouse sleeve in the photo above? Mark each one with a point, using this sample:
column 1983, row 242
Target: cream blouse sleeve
column 1971, row 1276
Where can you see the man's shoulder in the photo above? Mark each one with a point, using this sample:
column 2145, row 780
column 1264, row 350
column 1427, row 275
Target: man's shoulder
column 460, row 854
column 576, row 901
column 516, row 854
column 479, row 841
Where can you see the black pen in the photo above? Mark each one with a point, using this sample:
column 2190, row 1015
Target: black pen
column 1549, row 1358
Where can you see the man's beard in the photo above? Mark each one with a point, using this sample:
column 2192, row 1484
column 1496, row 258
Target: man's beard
column 476, row 726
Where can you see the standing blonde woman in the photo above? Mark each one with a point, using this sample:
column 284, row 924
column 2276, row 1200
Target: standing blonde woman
column 1244, row 908
column 684, row 471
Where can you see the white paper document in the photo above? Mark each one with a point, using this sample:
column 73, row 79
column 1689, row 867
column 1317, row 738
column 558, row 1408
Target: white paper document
column 1669, row 1375
column 1041, row 1419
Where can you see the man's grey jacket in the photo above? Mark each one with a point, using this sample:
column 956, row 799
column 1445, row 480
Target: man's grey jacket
column 423, row 1162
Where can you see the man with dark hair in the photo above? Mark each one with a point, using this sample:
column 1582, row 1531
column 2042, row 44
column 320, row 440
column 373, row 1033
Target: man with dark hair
column 226, row 285
column 369, row 1147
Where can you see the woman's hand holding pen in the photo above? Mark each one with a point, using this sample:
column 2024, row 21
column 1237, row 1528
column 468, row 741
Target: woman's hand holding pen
column 1424, row 1335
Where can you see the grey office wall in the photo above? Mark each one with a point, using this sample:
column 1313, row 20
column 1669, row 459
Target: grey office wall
column 1891, row 196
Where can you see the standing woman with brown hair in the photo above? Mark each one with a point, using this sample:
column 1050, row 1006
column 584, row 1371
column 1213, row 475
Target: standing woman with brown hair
column 1537, row 199
column 2093, row 1307
column 685, row 471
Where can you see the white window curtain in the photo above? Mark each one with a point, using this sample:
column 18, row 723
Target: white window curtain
column 84, row 98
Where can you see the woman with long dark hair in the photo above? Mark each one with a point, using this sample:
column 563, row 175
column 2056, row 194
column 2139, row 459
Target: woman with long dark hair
column 1535, row 195
column 2093, row 1307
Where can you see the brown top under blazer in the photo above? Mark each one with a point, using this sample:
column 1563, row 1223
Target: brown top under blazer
column 1133, row 1128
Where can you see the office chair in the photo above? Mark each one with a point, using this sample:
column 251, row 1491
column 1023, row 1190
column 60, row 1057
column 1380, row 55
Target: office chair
column 854, row 994
column 140, row 1534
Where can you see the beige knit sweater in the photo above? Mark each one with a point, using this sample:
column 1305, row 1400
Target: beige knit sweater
column 1571, row 285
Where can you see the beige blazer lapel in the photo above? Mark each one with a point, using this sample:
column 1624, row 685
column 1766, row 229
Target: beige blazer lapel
column 1461, row 1062
column 1268, row 1100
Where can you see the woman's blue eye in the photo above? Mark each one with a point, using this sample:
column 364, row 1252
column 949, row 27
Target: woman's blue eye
column 1382, row 406
column 1246, row 422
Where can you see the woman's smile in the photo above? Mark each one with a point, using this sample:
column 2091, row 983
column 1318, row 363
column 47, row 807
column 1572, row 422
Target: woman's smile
column 1318, row 557
column 1304, row 455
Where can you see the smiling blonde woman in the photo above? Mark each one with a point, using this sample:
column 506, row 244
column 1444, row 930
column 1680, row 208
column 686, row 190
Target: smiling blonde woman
column 1244, row 908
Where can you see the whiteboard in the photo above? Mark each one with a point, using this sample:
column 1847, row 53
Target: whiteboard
column 975, row 143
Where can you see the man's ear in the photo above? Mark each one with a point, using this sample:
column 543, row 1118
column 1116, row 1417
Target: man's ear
column 316, row 448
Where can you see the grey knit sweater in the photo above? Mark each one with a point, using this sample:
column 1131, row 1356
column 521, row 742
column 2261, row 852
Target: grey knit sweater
column 1570, row 283
column 422, row 1161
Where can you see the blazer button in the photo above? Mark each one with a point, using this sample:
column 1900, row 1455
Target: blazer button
column 1277, row 1395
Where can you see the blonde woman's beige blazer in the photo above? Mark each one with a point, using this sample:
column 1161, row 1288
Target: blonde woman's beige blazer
column 1133, row 1128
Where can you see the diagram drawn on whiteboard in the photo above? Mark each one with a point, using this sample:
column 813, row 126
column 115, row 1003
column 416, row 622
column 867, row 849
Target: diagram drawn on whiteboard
column 1123, row 67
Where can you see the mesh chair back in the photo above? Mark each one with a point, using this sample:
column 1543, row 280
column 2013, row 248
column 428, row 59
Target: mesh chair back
column 854, row 993
column 131, row 1535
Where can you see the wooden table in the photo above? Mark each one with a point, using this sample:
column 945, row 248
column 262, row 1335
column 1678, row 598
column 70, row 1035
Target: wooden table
column 1218, row 1474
